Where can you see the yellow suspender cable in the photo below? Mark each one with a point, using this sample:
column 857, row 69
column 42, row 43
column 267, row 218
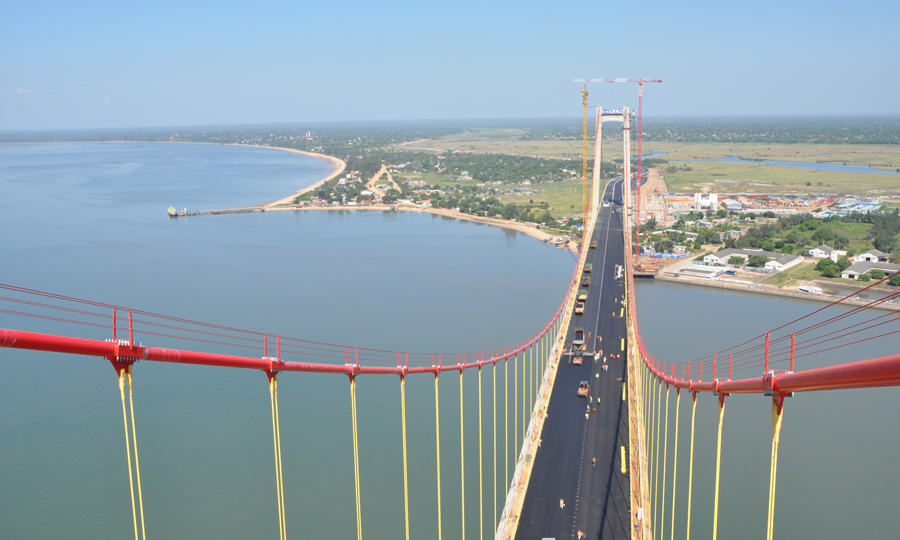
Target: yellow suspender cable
column 718, row 466
column 675, row 461
column 691, row 465
column 480, row 465
column 776, row 439
column 278, row 486
column 462, row 456
column 649, row 425
column 355, row 456
column 529, row 360
column 280, row 462
column 506, row 423
column 128, row 450
column 662, row 504
column 656, row 459
column 650, row 462
column 532, row 379
column 405, row 470
column 524, row 399
column 494, row 445
column 648, row 512
column 515, row 408
column 437, row 431
column 137, row 462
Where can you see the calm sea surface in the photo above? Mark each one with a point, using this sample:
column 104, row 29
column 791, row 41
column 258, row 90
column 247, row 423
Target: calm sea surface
column 90, row 221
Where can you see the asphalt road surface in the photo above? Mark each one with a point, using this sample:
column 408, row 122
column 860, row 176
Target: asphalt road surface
column 596, row 496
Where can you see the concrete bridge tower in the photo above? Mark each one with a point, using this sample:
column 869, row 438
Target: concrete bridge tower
column 607, row 115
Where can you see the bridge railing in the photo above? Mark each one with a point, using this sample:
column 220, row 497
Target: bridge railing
column 274, row 354
column 778, row 347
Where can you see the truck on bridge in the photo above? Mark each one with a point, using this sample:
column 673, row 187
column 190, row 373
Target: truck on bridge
column 578, row 346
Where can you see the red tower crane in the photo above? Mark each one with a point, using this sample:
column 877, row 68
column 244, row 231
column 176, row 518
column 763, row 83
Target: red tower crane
column 640, row 82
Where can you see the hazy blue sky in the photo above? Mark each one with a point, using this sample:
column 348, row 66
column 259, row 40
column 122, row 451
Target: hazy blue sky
column 122, row 64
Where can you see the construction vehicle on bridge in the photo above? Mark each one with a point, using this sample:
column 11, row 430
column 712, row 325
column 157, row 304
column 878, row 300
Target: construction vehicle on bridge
column 578, row 346
column 583, row 389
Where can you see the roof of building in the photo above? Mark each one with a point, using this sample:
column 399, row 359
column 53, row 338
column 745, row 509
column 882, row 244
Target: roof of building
column 824, row 249
column 865, row 266
column 874, row 252
column 786, row 258
column 780, row 258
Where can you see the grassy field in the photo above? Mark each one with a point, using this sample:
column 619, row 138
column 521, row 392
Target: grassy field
column 564, row 198
column 727, row 177
column 717, row 177
column 882, row 156
column 806, row 271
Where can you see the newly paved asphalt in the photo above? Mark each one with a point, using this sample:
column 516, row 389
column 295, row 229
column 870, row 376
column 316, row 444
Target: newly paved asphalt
column 597, row 497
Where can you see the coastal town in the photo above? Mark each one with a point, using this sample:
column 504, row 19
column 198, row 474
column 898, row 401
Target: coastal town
column 812, row 244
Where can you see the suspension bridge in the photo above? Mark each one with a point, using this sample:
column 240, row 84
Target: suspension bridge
column 566, row 466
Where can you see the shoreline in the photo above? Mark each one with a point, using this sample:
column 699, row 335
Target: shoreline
column 338, row 167
column 822, row 298
column 338, row 164
column 523, row 228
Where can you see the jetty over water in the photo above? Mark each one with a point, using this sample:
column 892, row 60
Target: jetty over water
column 241, row 210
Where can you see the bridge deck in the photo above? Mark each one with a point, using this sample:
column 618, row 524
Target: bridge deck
column 597, row 497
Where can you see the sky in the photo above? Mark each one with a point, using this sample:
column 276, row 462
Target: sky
column 92, row 64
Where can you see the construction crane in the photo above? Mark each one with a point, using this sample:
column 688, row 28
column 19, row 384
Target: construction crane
column 640, row 82
column 584, row 171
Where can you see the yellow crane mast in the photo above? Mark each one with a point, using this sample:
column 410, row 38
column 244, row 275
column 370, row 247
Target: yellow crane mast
column 584, row 146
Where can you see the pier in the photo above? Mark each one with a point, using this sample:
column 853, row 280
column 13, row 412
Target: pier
column 241, row 210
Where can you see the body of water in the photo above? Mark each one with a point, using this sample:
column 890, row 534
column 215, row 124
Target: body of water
column 834, row 167
column 90, row 221
column 837, row 472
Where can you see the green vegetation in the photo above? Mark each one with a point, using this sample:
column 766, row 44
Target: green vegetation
column 757, row 261
column 532, row 162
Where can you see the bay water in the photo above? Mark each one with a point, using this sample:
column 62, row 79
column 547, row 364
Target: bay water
column 89, row 220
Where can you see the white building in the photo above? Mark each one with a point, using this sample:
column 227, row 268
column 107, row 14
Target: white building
column 706, row 201
column 777, row 261
column 824, row 251
column 861, row 268
column 731, row 205
column 873, row 255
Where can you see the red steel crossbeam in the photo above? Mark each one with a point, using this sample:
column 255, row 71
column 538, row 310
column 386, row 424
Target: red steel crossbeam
column 874, row 373
column 124, row 353
column 121, row 352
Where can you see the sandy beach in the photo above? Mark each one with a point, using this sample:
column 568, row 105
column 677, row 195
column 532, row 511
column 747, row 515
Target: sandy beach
column 523, row 228
column 338, row 164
